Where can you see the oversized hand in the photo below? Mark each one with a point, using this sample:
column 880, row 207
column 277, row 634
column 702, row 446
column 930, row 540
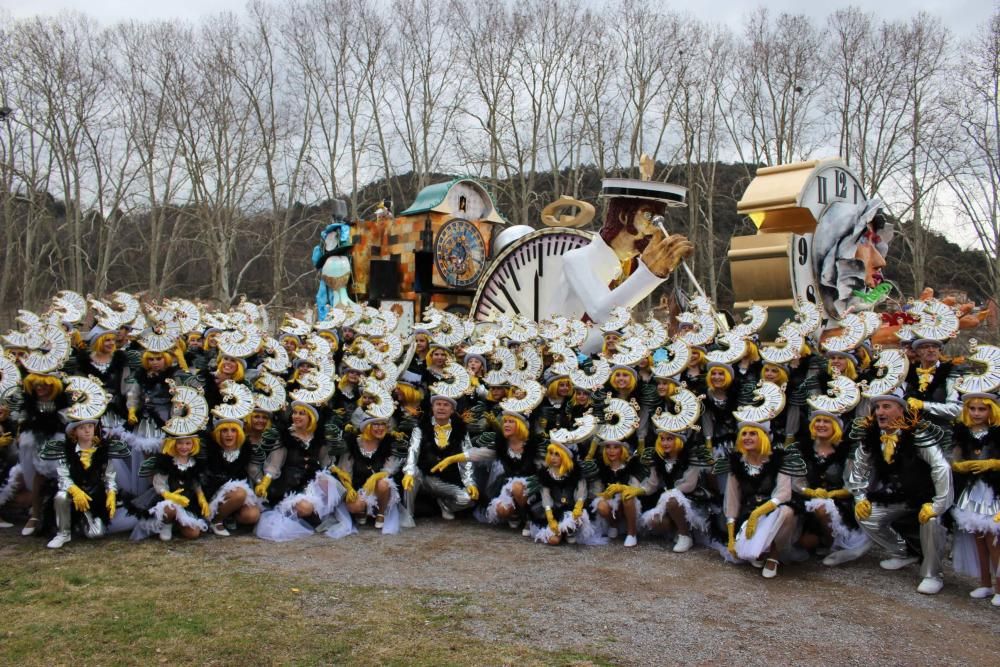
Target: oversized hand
column 664, row 253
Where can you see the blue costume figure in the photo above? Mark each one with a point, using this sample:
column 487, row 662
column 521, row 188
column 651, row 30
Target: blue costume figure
column 331, row 259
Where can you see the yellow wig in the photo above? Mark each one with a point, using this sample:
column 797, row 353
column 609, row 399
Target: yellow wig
column 661, row 442
column 625, row 455
column 553, row 389
column 994, row 418
column 147, row 355
column 838, row 433
column 521, row 432
column 311, row 426
column 240, row 372
column 765, row 440
column 409, row 395
column 331, row 338
column 782, row 373
column 850, row 372
column 170, row 445
column 32, row 380
column 427, row 357
column 631, row 380
column 246, row 421
column 725, row 371
column 241, row 435
column 567, row 461
column 97, row 342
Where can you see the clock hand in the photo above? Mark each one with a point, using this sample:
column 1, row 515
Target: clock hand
column 658, row 220
column 536, row 296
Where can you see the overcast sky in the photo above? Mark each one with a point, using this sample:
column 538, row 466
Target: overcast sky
column 962, row 16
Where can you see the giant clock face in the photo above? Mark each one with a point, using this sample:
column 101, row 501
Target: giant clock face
column 831, row 187
column 527, row 276
column 460, row 253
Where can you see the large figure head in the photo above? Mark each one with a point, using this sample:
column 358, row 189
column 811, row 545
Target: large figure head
column 849, row 249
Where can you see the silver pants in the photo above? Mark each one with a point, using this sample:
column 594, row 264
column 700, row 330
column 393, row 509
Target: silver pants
column 63, row 505
column 932, row 537
column 450, row 497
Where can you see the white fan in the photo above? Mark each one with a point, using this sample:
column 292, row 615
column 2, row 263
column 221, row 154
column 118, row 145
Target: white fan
column 937, row 320
column 852, row 335
column 10, row 376
column 564, row 360
column 630, row 351
column 70, row 305
column 985, row 378
column 686, row 410
column 680, row 356
column 786, row 348
column 892, row 366
column 703, row 331
column 577, row 334
column 599, row 373
column 51, row 354
column 529, row 361
column 90, row 400
column 584, row 428
column 734, row 347
column 275, row 356
column 754, row 320
column 315, row 388
column 188, row 315
column 238, row 401
column 127, row 304
column 618, row 320
column 807, row 317
column 524, row 330
column 772, row 402
column 843, row 394
column 507, row 363
column 163, row 334
column 455, row 384
column 621, row 419
column 531, row 400
column 190, row 410
column 295, row 326
column 383, row 406
column 270, row 394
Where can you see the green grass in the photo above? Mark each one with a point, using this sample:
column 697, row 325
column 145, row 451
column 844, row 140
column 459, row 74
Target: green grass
column 114, row 603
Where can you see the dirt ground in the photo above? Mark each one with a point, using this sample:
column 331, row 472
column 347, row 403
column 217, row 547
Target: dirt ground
column 644, row 605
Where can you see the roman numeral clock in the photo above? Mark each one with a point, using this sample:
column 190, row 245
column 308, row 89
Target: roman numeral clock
column 778, row 266
column 526, row 278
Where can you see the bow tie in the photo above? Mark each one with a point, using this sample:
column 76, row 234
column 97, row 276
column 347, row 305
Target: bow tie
column 86, row 456
column 441, row 433
column 889, row 442
column 924, row 377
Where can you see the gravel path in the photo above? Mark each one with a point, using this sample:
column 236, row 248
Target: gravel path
column 648, row 605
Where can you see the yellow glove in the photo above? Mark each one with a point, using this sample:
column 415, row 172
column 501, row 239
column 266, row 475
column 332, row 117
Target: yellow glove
column 350, row 495
column 177, row 497
column 203, row 503
column 964, row 467
column 915, row 404
column 369, row 486
column 81, row 501
column 407, row 482
column 996, row 518
column 837, row 494
column 342, row 475
column 578, row 510
column 810, row 493
column 133, row 416
column 110, row 502
column 553, row 524
column 473, row 491
column 262, row 486
column 6, row 439
column 984, row 466
column 592, row 452
column 862, row 509
column 765, row 508
column 731, row 529
column 926, row 513
column 449, row 460
column 610, row 490
column 630, row 492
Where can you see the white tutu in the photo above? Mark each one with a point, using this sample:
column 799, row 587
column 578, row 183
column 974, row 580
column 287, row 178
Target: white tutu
column 181, row 515
column 505, row 498
column 220, row 496
column 31, row 463
column 392, row 513
column 325, row 494
column 767, row 528
column 584, row 531
column 11, row 485
column 843, row 537
column 696, row 518
column 975, row 509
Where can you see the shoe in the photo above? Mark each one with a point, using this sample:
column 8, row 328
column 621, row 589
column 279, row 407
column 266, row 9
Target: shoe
column 612, row 533
column 757, row 563
column 220, row 529
column 61, row 538
column 514, row 523
column 446, row 515
column 996, row 600
column 6, row 524
column 379, row 521
column 167, row 532
column 770, row 569
column 230, row 524
column 930, row 586
column 897, row 563
column 846, row 555
column 684, row 542
column 526, row 531
column 822, row 551
column 981, row 593
column 30, row 527
column 630, row 541
column 571, row 539
column 361, row 520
